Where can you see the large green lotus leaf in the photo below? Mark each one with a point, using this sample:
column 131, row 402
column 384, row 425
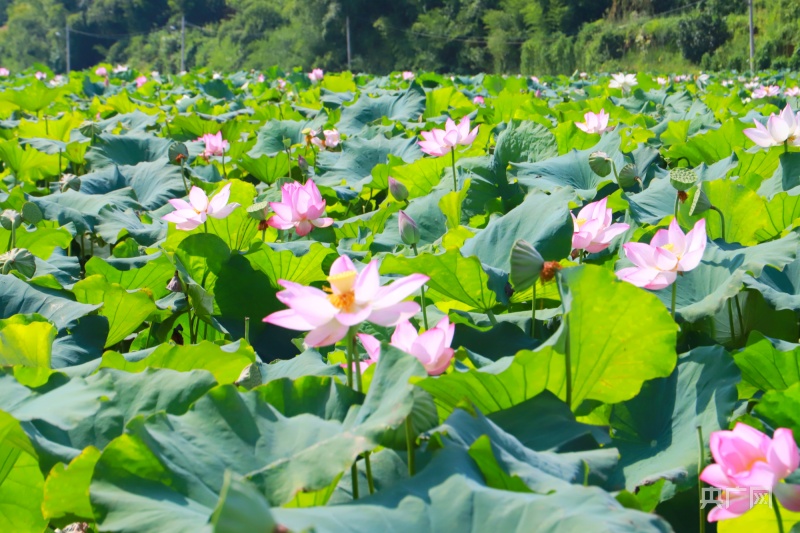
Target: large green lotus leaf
column 782, row 408
column 321, row 396
column 66, row 489
column 225, row 363
column 33, row 97
column 164, row 460
column 710, row 146
column 304, row 269
column 541, row 219
column 308, row 363
column 425, row 212
column 781, row 288
column 421, row 176
column 66, row 416
column 27, row 340
column 130, row 149
column 103, row 181
column 28, row 164
column 125, row 310
column 522, row 142
column 202, row 255
column 441, row 99
column 570, row 170
column 745, row 212
column 154, row 182
column 353, row 166
column 151, row 272
column 395, row 106
column 265, row 168
column 456, row 281
column 238, row 228
column 755, row 167
column 656, row 432
column 451, row 490
column 53, row 130
column 785, row 178
column 783, row 213
column 270, row 138
column 41, row 242
column 241, row 507
column 654, row 203
column 21, row 487
column 761, row 517
column 18, row 297
column 115, row 224
column 83, row 210
column 190, row 126
column 769, row 364
column 610, row 359
column 133, row 121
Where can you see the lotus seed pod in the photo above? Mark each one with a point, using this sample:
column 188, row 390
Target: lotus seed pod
column 398, row 191
column 250, row 377
column 600, row 163
column 10, row 219
column 526, row 265
column 682, row 178
column 628, row 176
column 700, row 203
column 258, row 210
column 178, row 153
column 18, row 259
column 409, row 232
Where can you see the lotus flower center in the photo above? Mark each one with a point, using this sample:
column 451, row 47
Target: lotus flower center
column 343, row 297
column 344, row 302
column 581, row 222
column 668, row 247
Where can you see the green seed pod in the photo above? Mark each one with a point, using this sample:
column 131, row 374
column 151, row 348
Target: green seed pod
column 258, row 210
column 682, row 178
column 700, row 203
column 600, row 163
column 250, row 377
column 18, row 259
column 178, row 153
column 526, row 265
column 627, row 176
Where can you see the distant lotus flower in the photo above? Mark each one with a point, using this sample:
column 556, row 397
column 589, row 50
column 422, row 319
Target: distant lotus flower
column 594, row 122
column 626, row 82
column 189, row 215
column 702, row 78
column 431, row 348
column 440, row 142
column 793, row 91
column 101, row 71
column 214, row 144
column 746, row 459
column 155, row 74
column 662, row 81
column 752, row 85
column 120, row 68
column 216, row 76
column 478, row 100
column 534, row 79
column 40, row 75
column 281, row 84
column 766, row 91
column 57, row 80
column 301, row 207
column 584, row 75
column 4, row 73
column 354, row 297
column 681, row 77
column 783, row 128
column 671, row 251
column 747, row 100
column 593, row 230
column 141, row 80
column 261, row 78
column 331, row 140
column 408, row 75
column 727, row 83
column 316, row 75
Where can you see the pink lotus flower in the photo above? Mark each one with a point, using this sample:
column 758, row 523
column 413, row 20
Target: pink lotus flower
column 432, row 348
column 189, row 215
column 261, row 78
column 408, row 75
column 626, row 82
column 747, row 459
column 331, row 140
column 141, row 80
column 440, row 142
column 316, row 75
column 40, row 75
column 594, row 122
column 301, row 207
column 214, row 144
column 593, row 228
column 281, row 84
column 779, row 129
column 662, row 81
column 354, row 297
column 4, row 72
column 101, row 71
column 792, row 91
column 765, row 91
column 670, row 252
column 478, row 100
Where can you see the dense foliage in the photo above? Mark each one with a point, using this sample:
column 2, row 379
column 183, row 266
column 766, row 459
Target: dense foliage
column 455, row 36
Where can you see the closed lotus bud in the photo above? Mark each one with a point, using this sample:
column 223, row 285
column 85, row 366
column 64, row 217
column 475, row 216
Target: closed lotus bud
column 682, row 178
column 627, row 176
column 600, row 163
column 398, row 191
column 10, row 219
column 70, row 181
column 18, row 259
column 526, row 265
column 174, row 284
column 409, row 232
column 303, row 164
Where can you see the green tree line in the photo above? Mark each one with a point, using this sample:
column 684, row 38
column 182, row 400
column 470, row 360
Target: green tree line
column 454, row 36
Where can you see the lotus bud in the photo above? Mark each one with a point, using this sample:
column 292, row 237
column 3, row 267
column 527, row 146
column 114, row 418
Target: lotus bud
column 10, row 219
column 398, row 191
column 409, row 232
column 682, row 178
column 18, row 259
column 70, row 181
column 303, row 164
column 627, row 176
column 600, row 163
column 174, row 284
column 526, row 265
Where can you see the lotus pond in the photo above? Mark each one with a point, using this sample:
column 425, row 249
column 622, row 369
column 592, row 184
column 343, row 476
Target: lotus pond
column 278, row 301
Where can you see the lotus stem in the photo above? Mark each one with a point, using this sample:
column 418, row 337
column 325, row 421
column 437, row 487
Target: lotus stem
column 616, row 174
column 368, row 465
column 777, row 509
column 700, row 467
column 205, row 226
column 567, row 355
column 730, row 322
column 677, row 200
column 354, row 476
column 721, row 220
column 674, row 296
column 247, row 329
column 356, row 360
column 453, row 164
column 785, row 144
column 410, row 446
column 422, row 295
column 349, row 354
column 533, row 312
column 224, row 170
column 739, row 313
column 491, row 316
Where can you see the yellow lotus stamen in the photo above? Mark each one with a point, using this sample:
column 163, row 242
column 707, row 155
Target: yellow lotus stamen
column 343, row 301
column 581, row 222
column 669, row 246
column 343, row 282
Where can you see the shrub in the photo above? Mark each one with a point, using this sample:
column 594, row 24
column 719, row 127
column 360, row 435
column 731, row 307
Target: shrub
column 701, row 34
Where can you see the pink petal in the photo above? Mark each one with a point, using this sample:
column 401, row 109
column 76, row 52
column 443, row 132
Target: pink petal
column 219, row 200
column 367, row 283
column 342, row 264
column 398, row 290
column 714, row 475
column 330, row 333
column 642, row 255
column 224, row 212
column 661, row 238
column 322, row 222
column 288, row 319
column 783, row 456
column 676, row 238
column 179, row 203
column 738, row 504
column 304, row 227
column 391, row 315
column 371, row 345
column 665, row 260
column 789, row 495
column 198, row 199
column 355, row 318
column 404, row 336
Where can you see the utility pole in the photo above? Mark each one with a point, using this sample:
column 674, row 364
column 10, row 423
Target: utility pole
column 752, row 39
column 68, row 62
column 183, row 43
column 347, row 26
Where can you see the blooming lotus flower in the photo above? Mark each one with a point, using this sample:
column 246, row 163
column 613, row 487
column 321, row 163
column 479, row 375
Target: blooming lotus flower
column 154, row 74
column 440, row 142
column 214, row 144
column 670, row 252
column 662, row 81
column 120, row 68
column 702, row 78
column 746, row 459
column 765, row 91
column 331, row 140
column 4, row 72
column 101, row 71
column 593, row 228
column 216, row 76
column 783, row 128
column 40, row 75
column 594, row 122
column 189, row 215
column 584, row 75
column 301, row 207
column 261, row 78
column 793, row 91
column 281, row 83
column 354, row 297
column 141, row 80
column 57, row 80
column 534, row 79
column 478, row 100
column 316, row 75
column 431, row 348
column 408, row 75
column 623, row 81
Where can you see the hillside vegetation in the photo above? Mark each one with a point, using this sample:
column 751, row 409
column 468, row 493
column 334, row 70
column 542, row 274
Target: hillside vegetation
column 457, row 36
